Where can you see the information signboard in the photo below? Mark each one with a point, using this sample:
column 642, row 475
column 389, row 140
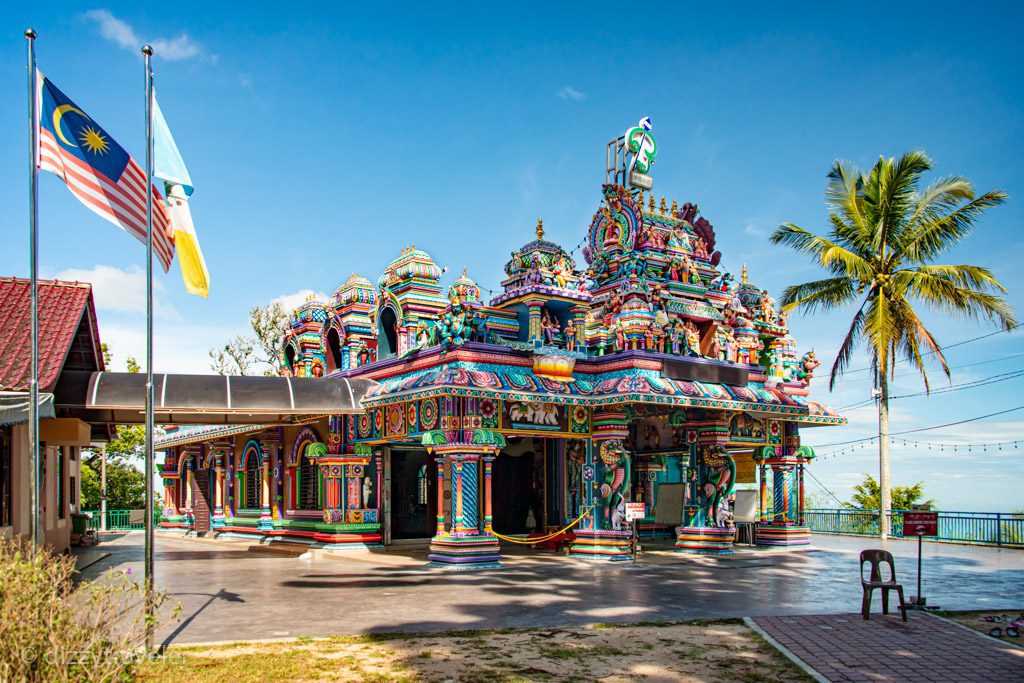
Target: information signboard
column 920, row 524
column 634, row 511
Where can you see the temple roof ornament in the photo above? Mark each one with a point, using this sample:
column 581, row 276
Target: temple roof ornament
column 355, row 290
column 465, row 289
column 411, row 264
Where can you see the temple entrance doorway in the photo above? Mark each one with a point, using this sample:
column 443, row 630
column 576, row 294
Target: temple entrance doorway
column 201, row 500
column 413, row 504
column 518, row 487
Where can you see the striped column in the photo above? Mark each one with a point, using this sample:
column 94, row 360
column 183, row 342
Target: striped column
column 466, row 546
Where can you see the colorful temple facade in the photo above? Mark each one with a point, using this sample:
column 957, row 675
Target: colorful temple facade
column 643, row 373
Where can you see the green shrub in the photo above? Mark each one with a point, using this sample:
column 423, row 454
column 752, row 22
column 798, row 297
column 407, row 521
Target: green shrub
column 52, row 630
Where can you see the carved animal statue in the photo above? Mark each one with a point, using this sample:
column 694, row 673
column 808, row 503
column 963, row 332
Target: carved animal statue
column 719, row 482
column 616, row 478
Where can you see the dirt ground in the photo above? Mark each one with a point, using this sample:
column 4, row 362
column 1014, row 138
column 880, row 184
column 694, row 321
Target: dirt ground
column 704, row 651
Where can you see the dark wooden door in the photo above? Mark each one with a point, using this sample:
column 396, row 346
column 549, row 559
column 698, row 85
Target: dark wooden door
column 201, row 500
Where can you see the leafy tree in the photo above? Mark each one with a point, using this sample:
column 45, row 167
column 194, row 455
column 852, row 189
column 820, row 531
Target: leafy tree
column 867, row 495
column 126, row 486
column 262, row 350
column 886, row 231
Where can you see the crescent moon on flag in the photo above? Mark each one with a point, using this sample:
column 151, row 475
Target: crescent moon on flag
column 58, row 113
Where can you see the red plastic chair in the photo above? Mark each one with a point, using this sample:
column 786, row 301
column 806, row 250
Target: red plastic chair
column 877, row 558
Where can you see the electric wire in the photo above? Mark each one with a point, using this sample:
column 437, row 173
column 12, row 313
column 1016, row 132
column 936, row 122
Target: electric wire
column 994, row 379
column 944, row 348
column 924, row 429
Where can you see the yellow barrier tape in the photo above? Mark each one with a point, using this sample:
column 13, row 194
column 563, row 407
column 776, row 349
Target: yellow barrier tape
column 531, row 541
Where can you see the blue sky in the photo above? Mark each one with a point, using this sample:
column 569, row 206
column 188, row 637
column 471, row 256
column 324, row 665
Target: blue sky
column 322, row 142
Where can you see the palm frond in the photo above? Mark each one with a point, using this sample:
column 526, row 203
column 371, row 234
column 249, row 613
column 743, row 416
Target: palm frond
column 897, row 192
column 915, row 336
column 827, row 294
column 835, row 259
column 847, row 348
column 844, row 196
column 935, row 231
column 957, row 293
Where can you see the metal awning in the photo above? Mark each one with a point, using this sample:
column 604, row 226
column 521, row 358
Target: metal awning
column 119, row 398
column 14, row 407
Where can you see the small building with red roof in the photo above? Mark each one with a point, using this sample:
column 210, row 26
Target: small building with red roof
column 69, row 341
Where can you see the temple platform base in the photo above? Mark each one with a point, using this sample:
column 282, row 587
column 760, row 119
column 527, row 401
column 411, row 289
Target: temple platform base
column 783, row 534
column 600, row 544
column 464, row 553
column 704, row 540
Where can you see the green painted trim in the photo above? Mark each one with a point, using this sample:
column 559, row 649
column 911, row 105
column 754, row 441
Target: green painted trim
column 310, row 525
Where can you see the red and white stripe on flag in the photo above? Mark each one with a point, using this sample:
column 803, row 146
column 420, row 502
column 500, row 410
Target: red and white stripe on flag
column 123, row 203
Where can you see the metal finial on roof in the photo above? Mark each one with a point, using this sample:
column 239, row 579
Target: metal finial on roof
column 743, row 276
column 540, row 228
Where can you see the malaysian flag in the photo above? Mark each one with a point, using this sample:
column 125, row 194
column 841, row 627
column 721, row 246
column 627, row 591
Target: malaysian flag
column 97, row 170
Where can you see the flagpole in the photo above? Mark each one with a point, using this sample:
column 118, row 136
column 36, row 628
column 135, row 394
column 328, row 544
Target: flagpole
column 148, row 574
column 33, row 223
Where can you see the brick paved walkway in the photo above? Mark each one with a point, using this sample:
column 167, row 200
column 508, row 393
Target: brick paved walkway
column 844, row 647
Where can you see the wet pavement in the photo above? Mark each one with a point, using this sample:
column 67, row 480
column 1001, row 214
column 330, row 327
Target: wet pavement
column 234, row 592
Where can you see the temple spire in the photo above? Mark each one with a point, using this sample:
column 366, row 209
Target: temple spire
column 540, row 228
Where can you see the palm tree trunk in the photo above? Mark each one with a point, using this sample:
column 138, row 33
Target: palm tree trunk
column 885, row 494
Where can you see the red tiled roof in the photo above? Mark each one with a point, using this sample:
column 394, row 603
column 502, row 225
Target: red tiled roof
column 64, row 307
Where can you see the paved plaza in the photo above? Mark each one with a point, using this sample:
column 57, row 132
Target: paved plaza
column 844, row 647
column 235, row 592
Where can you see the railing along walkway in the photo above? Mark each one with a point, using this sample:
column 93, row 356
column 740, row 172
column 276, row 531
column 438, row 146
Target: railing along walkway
column 1001, row 529
column 119, row 520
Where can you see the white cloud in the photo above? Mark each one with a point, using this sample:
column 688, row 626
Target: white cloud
column 177, row 347
column 114, row 289
column 289, row 302
column 121, row 33
column 570, row 93
column 753, row 230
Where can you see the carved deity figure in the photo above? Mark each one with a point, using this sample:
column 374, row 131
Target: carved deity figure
column 700, row 249
column 560, row 272
column 692, row 336
column 570, row 334
column 808, row 364
column 718, row 484
column 616, row 479
column 766, row 307
column 549, row 326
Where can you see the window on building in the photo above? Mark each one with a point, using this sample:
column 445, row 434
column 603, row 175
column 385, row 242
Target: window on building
column 309, row 484
column 62, row 511
column 5, row 475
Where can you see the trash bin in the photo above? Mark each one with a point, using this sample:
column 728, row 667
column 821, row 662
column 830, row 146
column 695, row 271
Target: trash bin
column 79, row 523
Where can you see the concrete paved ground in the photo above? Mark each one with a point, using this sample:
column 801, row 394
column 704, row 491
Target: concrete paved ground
column 231, row 592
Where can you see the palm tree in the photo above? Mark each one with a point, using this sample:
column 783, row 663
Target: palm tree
column 886, row 232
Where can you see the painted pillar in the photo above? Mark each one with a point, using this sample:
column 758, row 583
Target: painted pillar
column 764, row 494
column 800, row 483
column 606, row 480
column 440, row 496
column 707, row 533
column 466, row 546
column 266, row 521
column 217, row 519
column 230, row 511
column 536, row 333
column 488, row 519
column 579, row 321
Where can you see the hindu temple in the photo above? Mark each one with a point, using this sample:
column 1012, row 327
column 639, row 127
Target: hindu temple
column 639, row 375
